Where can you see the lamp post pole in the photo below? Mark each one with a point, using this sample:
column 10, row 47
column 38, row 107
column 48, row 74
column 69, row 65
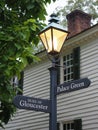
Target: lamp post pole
column 53, row 37
column 53, row 98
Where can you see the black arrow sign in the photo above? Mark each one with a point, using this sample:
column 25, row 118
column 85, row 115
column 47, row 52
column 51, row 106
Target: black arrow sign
column 30, row 103
column 73, row 85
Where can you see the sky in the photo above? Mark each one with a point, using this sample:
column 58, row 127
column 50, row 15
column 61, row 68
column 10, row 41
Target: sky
column 51, row 7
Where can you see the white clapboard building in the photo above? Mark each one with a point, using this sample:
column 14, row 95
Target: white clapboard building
column 76, row 110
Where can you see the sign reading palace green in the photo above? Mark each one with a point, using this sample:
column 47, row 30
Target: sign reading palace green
column 73, row 85
column 30, row 103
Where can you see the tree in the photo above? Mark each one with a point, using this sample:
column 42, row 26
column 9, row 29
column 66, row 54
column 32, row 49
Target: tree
column 87, row 6
column 20, row 22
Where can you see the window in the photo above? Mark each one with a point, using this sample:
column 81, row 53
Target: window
column 71, row 61
column 18, row 83
column 68, row 71
column 70, row 125
column 15, row 81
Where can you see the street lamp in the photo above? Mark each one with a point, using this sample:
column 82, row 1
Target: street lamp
column 53, row 37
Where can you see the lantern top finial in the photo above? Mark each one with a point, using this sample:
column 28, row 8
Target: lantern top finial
column 53, row 18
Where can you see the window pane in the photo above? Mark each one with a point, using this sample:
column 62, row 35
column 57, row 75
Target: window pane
column 68, row 70
column 64, row 127
column 72, row 125
column 65, row 71
column 68, row 77
column 65, row 78
column 68, row 126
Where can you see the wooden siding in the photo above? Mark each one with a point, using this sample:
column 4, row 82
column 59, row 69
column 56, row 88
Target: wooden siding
column 78, row 104
column 83, row 103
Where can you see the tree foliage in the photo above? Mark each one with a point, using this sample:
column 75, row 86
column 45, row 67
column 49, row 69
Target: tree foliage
column 20, row 22
column 87, row 6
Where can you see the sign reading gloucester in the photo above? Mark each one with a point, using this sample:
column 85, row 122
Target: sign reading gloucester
column 73, row 85
column 30, row 103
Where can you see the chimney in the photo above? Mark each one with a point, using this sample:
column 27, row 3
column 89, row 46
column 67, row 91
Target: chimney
column 77, row 22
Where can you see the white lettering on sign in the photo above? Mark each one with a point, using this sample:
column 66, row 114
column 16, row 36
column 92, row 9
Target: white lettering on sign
column 68, row 87
column 62, row 88
column 24, row 103
column 79, row 85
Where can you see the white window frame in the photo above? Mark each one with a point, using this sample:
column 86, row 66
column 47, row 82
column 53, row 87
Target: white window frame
column 65, row 122
column 62, row 69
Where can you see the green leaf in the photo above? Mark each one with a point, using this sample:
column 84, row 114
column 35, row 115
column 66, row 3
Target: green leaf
column 30, row 6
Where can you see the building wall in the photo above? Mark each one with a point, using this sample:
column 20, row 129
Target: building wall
column 83, row 104
column 78, row 104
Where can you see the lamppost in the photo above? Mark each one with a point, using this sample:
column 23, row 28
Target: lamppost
column 53, row 37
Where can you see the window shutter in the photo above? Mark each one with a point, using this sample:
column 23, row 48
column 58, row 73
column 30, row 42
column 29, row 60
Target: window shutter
column 76, row 63
column 78, row 124
column 20, row 83
column 58, row 126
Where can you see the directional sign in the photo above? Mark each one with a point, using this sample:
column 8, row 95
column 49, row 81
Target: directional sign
column 73, row 85
column 30, row 103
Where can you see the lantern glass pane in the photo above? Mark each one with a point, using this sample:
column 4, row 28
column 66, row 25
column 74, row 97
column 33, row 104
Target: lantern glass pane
column 59, row 37
column 46, row 39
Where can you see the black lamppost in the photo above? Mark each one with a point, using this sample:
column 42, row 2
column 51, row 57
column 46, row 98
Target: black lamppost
column 53, row 38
